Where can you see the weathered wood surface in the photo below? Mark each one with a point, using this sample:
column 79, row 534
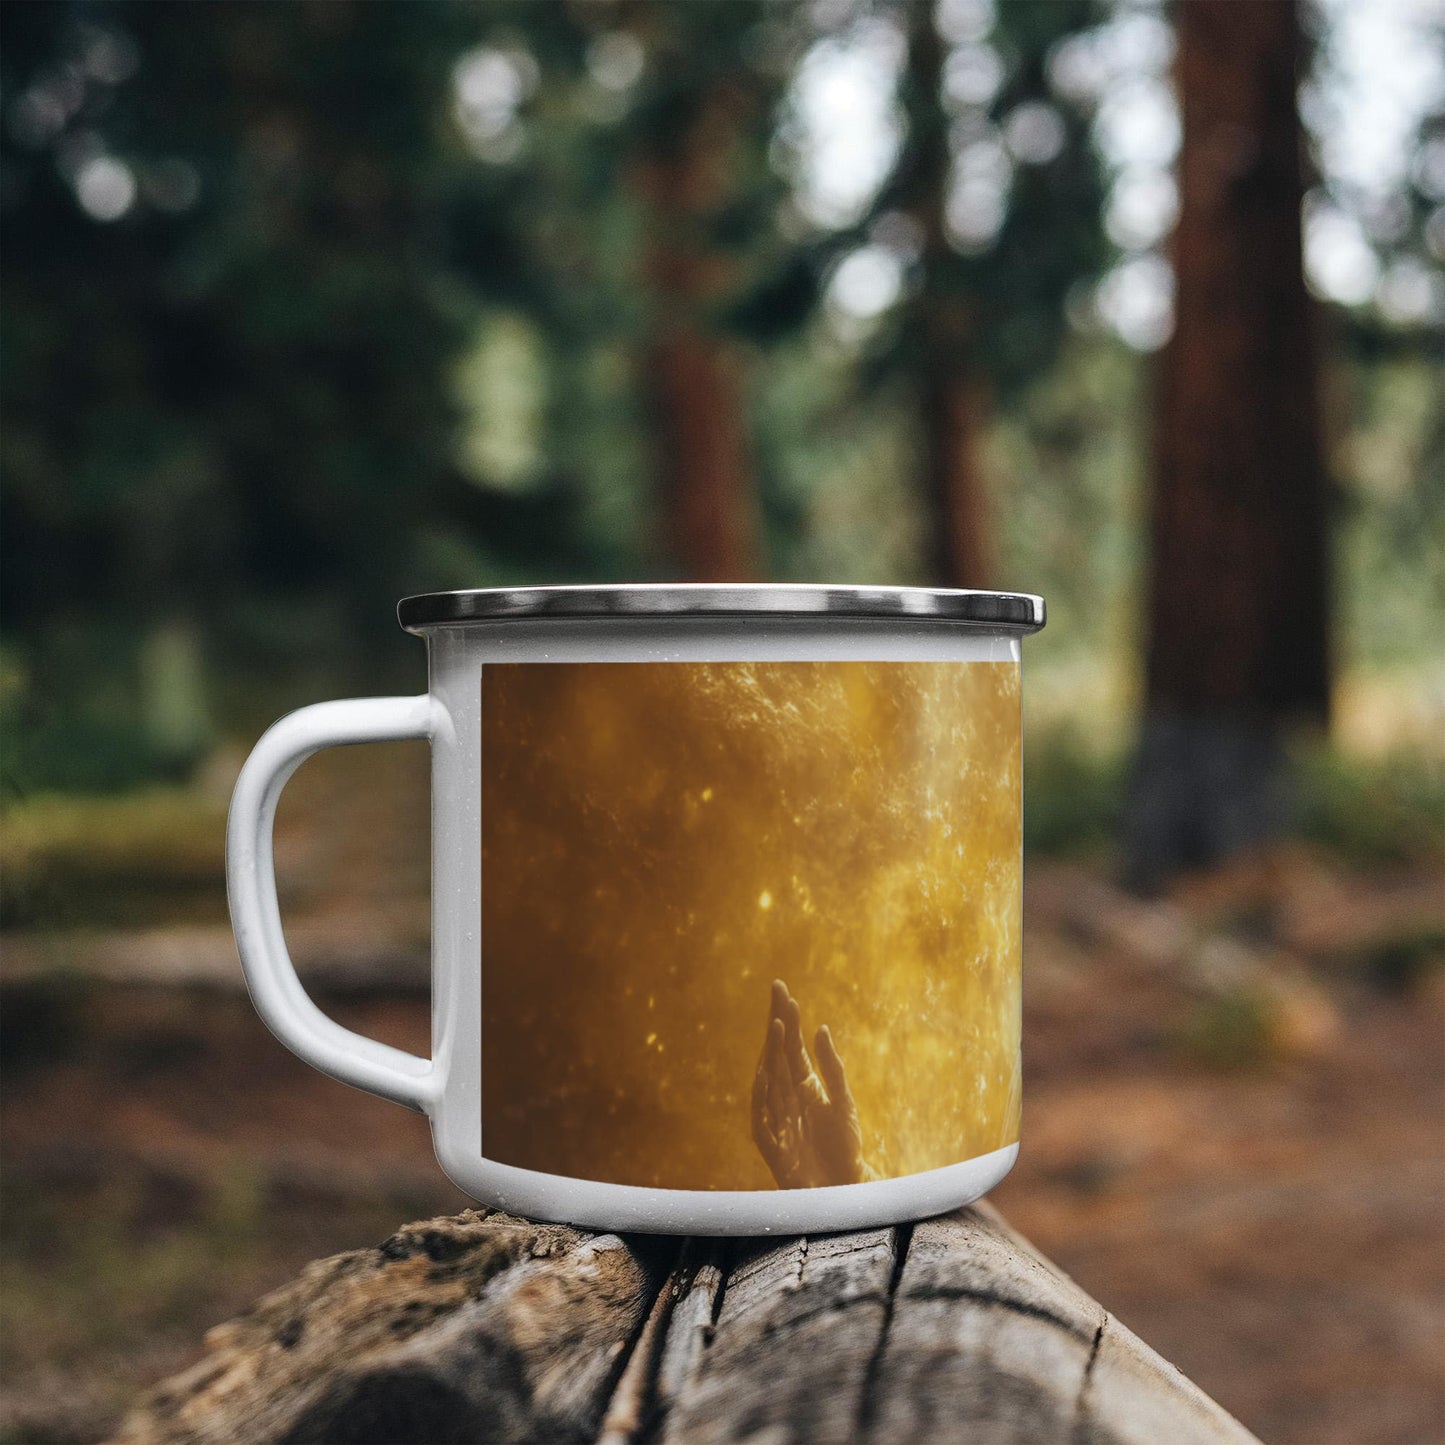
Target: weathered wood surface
column 484, row 1327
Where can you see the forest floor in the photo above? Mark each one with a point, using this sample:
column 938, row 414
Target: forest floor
column 1234, row 1131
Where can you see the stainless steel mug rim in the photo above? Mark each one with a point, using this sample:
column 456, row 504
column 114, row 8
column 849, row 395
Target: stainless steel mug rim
column 1017, row 612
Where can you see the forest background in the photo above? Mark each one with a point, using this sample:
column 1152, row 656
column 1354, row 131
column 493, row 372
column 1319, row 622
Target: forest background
column 309, row 306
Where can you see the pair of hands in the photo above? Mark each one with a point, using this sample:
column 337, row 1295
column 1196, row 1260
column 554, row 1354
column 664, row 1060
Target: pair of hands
column 805, row 1122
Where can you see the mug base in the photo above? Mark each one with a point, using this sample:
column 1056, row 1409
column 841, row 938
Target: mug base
column 626, row 1208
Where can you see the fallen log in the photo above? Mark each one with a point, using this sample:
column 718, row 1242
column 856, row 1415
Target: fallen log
column 486, row 1327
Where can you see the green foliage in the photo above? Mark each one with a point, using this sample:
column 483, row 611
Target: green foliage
column 1068, row 460
column 225, row 319
column 1073, row 795
column 1011, row 278
column 1371, row 812
column 1052, row 236
column 1374, row 811
column 309, row 306
column 72, row 859
column 834, row 471
column 1390, row 543
column 248, row 367
column 73, row 752
column 1233, row 1030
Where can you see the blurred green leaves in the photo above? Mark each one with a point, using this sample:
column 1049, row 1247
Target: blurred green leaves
column 307, row 306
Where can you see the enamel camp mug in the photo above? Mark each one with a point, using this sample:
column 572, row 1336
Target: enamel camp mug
column 726, row 887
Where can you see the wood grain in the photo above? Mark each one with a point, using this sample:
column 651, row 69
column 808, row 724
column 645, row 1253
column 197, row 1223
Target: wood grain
column 485, row 1327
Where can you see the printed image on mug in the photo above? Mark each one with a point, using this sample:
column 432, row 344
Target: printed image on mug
column 749, row 925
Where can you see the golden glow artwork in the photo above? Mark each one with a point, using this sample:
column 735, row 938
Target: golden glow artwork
column 749, row 925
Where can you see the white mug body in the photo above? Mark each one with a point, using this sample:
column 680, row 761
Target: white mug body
column 486, row 634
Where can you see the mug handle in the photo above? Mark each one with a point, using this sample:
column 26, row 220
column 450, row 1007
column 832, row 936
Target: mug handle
column 276, row 991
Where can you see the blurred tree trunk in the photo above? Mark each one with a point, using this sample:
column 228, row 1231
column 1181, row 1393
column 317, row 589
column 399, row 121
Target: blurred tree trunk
column 1238, row 607
column 692, row 371
column 950, row 395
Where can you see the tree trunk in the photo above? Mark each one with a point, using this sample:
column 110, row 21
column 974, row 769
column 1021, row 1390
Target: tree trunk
column 949, row 395
column 951, row 406
column 1238, row 606
column 692, row 373
column 707, row 484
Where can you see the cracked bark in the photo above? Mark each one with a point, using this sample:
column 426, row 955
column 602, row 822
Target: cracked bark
column 1081, row 1405
column 637, row 1381
column 488, row 1327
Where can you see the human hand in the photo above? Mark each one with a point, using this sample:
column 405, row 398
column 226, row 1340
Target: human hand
column 805, row 1122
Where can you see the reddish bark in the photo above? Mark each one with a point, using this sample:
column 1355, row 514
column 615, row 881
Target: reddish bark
column 951, row 406
column 1238, row 605
column 706, row 480
column 692, row 372
column 950, row 395
column 1238, row 594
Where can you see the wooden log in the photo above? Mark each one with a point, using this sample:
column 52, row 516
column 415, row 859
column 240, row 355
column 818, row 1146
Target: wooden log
column 484, row 1327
